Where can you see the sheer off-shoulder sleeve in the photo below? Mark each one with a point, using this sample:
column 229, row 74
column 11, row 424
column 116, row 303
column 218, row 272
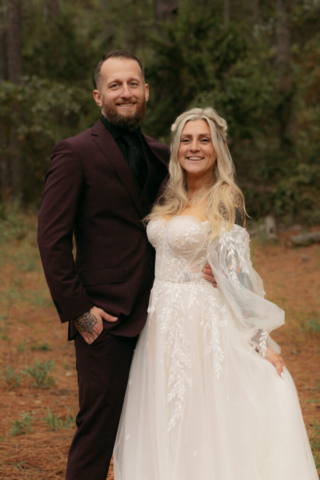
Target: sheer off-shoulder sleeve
column 229, row 257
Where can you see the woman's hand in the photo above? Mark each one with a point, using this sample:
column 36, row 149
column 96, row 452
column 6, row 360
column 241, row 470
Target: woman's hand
column 276, row 360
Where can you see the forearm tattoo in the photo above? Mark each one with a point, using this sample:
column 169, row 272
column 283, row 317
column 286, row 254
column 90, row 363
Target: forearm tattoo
column 85, row 323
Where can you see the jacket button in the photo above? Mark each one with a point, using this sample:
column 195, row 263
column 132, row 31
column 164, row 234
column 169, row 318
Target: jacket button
column 151, row 265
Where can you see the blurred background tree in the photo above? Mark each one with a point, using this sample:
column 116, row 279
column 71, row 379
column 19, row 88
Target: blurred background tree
column 256, row 62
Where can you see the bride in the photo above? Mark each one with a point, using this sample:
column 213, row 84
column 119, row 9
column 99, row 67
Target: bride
column 209, row 397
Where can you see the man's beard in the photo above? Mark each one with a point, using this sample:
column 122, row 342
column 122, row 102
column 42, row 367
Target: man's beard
column 126, row 121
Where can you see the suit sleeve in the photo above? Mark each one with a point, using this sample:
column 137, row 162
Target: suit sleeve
column 61, row 198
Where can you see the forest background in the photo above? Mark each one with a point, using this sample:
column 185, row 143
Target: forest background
column 256, row 62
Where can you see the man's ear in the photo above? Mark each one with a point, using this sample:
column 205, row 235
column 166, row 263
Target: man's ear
column 97, row 97
column 146, row 91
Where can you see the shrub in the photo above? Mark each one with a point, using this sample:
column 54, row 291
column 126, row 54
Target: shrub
column 39, row 372
column 45, row 347
column 21, row 427
column 11, row 377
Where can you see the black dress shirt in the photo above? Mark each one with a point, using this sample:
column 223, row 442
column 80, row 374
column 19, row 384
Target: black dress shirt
column 125, row 139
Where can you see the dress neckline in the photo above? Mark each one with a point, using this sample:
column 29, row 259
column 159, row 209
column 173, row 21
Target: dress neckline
column 164, row 224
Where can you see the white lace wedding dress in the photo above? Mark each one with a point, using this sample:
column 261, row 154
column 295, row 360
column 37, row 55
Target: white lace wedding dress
column 202, row 403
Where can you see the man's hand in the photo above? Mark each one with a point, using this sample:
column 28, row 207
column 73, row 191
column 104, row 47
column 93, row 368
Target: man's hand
column 208, row 275
column 90, row 324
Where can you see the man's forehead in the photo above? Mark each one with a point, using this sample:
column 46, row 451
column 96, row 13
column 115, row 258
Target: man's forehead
column 120, row 68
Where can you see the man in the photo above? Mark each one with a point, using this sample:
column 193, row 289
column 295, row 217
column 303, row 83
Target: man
column 100, row 185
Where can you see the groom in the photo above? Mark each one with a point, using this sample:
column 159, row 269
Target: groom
column 100, row 185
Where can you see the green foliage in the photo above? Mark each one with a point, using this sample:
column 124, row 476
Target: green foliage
column 28, row 266
column 297, row 197
column 36, row 347
column 23, row 426
column 40, row 112
column 20, row 347
column 315, row 443
column 194, row 61
column 199, row 63
column 52, row 421
column 57, row 49
column 15, row 225
column 4, row 331
column 11, row 377
column 15, row 292
column 39, row 372
column 314, row 324
column 69, row 421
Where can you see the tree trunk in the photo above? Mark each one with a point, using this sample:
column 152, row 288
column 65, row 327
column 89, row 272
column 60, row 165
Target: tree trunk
column 226, row 12
column 165, row 10
column 270, row 227
column 4, row 170
column 14, row 40
column 284, row 70
column 51, row 9
column 303, row 240
column 283, row 37
column 256, row 12
column 109, row 26
column 14, row 28
column 2, row 40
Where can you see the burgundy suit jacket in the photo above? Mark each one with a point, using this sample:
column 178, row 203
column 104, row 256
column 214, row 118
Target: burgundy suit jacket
column 91, row 193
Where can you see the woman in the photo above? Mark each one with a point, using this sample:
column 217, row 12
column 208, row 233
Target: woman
column 208, row 395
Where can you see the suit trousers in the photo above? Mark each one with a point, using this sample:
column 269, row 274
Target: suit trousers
column 103, row 370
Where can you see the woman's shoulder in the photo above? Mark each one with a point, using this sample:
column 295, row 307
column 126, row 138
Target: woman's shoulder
column 240, row 212
column 238, row 202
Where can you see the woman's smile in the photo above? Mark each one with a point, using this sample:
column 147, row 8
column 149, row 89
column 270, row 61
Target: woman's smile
column 195, row 159
column 197, row 155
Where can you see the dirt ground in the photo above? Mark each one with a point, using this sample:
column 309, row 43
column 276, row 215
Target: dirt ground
column 31, row 332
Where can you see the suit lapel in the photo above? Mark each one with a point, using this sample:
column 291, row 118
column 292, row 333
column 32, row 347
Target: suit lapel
column 158, row 149
column 108, row 146
column 157, row 158
column 157, row 171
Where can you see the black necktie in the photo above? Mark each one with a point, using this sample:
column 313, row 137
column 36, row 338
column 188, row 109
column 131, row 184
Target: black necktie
column 135, row 161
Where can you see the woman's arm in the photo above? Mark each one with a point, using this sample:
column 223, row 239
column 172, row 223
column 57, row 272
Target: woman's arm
column 229, row 257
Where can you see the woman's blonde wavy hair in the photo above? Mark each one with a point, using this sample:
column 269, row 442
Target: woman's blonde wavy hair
column 220, row 197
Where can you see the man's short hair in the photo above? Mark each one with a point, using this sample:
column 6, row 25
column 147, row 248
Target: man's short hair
column 115, row 54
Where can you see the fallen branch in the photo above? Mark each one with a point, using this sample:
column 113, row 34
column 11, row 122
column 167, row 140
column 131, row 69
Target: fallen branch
column 304, row 239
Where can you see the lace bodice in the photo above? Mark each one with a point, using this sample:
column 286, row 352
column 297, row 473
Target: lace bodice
column 181, row 246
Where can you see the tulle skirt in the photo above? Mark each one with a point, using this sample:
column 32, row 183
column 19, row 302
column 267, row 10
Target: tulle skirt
column 201, row 404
